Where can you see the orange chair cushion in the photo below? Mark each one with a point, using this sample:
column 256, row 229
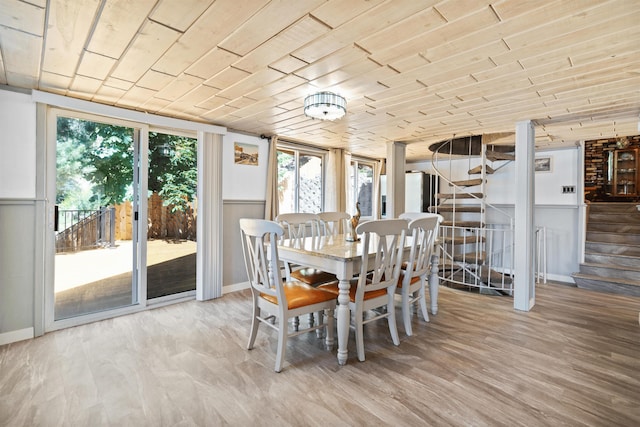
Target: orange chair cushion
column 301, row 295
column 312, row 276
column 333, row 288
column 401, row 279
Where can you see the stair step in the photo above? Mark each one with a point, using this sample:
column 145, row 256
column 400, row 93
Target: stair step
column 457, row 208
column 467, row 182
column 469, row 279
column 474, row 258
column 463, row 240
column 615, row 217
column 494, row 278
column 496, row 155
column 609, row 259
column 597, row 283
column 613, row 237
column 449, row 196
column 611, row 271
column 613, row 227
column 595, row 207
column 478, row 170
column 490, row 142
column 463, row 224
column 612, row 248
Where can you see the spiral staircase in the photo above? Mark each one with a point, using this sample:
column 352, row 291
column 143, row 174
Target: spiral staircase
column 476, row 238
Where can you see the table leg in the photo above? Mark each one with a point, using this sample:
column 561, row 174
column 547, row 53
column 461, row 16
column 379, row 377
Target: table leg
column 433, row 284
column 343, row 314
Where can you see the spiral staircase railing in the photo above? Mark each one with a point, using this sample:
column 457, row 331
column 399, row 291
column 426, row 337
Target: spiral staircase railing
column 474, row 254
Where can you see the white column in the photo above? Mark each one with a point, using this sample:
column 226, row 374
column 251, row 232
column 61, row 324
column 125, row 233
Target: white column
column 524, row 237
column 582, row 206
column 209, row 221
column 396, row 152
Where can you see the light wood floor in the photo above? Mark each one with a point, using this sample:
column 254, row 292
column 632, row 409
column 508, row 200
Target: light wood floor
column 573, row 360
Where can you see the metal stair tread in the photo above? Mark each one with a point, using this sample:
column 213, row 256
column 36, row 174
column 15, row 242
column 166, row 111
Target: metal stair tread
column 496, row 155
column 470, row 256
column 478, row 170
column 464, row 224
column 466, row 240
column 459, row 208
column 449, row 196
column 467, row 182
column 492, row 276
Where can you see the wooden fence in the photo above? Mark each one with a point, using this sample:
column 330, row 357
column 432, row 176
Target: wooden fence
column 162, row 223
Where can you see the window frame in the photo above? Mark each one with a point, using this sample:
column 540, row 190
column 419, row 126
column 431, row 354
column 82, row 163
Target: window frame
column 353, row 167
column 301, row 150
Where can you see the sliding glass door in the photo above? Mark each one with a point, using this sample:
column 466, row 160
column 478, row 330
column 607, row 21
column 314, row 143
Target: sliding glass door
column 172, row 210
column 96, row 201
column 124, row 218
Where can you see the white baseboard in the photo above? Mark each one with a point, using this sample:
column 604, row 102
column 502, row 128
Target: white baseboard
column 235, row 287
column 14, row 336
column 561, row 278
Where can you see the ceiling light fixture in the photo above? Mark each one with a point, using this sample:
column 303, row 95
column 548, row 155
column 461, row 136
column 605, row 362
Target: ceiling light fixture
column 325, row 106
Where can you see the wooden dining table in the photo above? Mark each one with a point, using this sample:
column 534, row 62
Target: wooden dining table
column 337, row 255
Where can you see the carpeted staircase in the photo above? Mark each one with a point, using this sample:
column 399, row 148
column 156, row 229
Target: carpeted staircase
column 612, row 249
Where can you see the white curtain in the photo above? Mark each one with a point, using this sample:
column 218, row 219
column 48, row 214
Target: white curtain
column 337, row 181
column 271, row 203
column 209, row 220
column 346, row 185
column 377, row 172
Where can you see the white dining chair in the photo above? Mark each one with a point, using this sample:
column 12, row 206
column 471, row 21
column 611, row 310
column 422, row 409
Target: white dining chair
column 415, row 215
column 372, row 293
column 299, row 226
column 334, row 223
column 280, row 300
column 413, row 276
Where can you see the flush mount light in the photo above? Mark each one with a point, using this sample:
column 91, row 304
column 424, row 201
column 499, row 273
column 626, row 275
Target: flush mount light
column 325, row 106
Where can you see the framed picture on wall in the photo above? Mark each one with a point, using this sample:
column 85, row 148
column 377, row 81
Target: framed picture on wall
column 246, row 154
column 543, row 164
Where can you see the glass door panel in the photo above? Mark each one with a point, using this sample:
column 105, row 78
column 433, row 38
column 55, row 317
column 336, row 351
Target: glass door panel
column 172, row 209
column 286, row 181
column 95, row 249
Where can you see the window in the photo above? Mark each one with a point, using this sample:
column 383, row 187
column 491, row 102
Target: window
column 300, row 180
column 361, row 189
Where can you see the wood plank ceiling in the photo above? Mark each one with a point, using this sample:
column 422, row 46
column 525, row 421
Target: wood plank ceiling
column 412, row 71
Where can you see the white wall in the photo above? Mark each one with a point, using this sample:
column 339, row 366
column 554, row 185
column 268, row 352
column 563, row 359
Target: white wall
column 17, row 145
column 18, row 216
column 244, row 190
column 244, row 182
column 564, row 172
